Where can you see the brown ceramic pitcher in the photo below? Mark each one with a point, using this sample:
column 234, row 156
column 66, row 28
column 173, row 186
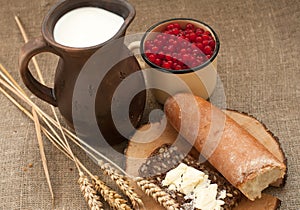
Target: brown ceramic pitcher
column 73, row 59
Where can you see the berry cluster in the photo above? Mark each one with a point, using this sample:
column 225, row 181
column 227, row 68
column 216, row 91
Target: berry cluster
column 178, row 48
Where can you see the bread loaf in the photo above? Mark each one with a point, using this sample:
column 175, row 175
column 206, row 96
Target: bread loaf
column 236, row 154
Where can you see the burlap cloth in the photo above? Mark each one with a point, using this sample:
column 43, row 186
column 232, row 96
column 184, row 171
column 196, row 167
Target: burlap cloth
column 258, row 65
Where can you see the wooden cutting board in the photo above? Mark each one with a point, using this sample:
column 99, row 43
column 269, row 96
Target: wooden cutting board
column 144, row 149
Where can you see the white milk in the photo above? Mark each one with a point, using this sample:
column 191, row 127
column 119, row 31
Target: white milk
column 86, row 27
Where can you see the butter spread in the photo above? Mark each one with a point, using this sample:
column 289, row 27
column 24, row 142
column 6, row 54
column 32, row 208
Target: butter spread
column 195, row 185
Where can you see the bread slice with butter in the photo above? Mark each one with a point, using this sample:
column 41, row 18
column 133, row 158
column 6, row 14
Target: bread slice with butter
column 193, row 184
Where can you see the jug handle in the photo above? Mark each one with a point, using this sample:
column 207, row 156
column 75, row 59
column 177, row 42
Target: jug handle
column 28, row 51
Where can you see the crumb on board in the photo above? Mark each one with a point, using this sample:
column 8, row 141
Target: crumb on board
column 25, row 168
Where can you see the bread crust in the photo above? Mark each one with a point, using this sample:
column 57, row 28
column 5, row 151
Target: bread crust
column 228, row 147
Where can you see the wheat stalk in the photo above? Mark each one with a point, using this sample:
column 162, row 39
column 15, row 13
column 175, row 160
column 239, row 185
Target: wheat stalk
column 42, row 151
column 89, row 193
column 54, row 138
column 25, row 37
column 114, row 199
column 158, row 194
column 34, row 114
column 122, row 182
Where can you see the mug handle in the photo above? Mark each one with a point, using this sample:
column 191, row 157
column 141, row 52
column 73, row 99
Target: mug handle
column 134, row 45
column 29, row 50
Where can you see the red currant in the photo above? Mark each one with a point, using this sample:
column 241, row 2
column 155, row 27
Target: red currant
column 205, row 37
column 171, row 48
column 207, row 33
column 154, row 49
column 161, row 55
column 176, row 25
column 170, row 26
column 205, row 42
column 168, row 57
column 151, row 58
column 175, row 31
column 212, row 43
column 166, row 65
column 178, row 67
column 198, row 39
column 207, row 50
column 200, row 46
column 199, row 31
column 157, row 61
column 179, row 47
column 192, row 37
column 190, row 26
column 183, row 51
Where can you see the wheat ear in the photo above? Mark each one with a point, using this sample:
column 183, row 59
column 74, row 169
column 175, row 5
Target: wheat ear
column 122, row 182
column 158, row 194
column 89, row 193
column 114, row 199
